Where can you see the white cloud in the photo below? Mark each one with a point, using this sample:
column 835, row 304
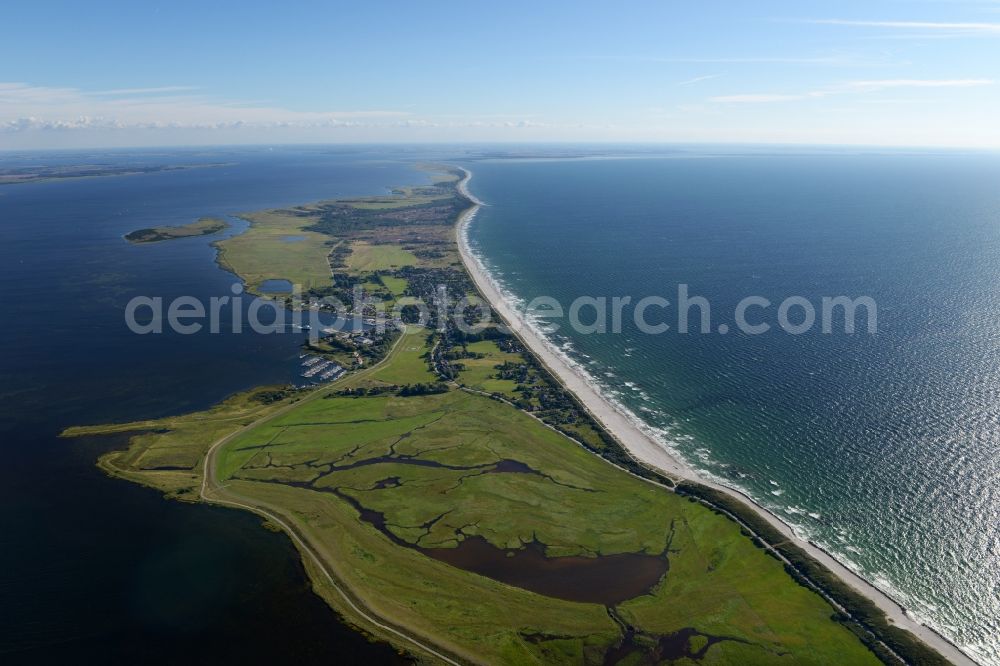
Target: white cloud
column 25, row 107
column 954, row 28
column 832, row 60
column 759, row 98
column 919, row 83
column 851, row 87
column 836, row 58
column 145, row 91
column 699, row 79
column 49, row 117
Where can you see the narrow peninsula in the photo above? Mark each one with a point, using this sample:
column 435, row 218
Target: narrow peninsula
column 450, row 494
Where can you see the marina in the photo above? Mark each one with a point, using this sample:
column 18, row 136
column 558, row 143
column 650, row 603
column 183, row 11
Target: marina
column 321, row 369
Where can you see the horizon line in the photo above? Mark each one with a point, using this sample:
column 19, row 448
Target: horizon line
column 555, row 142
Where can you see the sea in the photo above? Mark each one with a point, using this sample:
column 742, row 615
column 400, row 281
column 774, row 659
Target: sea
column 882, row 445
column 95, row 569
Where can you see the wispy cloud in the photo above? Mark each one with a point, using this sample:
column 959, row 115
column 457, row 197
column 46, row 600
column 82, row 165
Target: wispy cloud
column 24, row 107
column 919, row 83
column 851, row 87
column 753, row 60
column 162, row 90
column 699, row 79
column 955, row 28
column 33, row 111
column 843, row 60
column 756, row 98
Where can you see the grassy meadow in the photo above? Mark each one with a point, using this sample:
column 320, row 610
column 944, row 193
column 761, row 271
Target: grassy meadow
column 572, row 502
column 389, row 474
column 367, row 257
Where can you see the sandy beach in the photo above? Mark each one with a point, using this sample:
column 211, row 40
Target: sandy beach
column 642, row 446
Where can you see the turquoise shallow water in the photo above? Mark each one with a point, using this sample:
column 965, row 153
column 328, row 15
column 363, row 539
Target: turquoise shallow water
column 883, row 448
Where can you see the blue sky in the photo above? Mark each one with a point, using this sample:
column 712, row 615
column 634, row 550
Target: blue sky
column 882, row 72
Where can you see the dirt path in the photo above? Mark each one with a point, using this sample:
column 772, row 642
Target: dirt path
column 213, row 492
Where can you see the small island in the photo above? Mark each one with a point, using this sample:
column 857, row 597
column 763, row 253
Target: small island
column 203, row 227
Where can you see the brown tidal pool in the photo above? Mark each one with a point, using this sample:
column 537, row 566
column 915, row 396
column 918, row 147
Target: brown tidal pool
column 606, row 579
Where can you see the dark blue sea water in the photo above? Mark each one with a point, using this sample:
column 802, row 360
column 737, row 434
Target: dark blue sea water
column 97, row 570
column 883, row 448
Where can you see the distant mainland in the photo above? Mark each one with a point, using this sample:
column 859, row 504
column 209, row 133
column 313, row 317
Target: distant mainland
column 35, row 174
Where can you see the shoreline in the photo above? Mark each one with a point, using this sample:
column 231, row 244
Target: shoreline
column 645, row 449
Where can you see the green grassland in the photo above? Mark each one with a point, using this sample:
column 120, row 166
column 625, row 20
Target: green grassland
column 262, row 253
column 480, row 371
column 395, row 285
column 498, row 456
column 168, row 453
column 513, row 375
column 354, row 236
column 367, row 257
column 718, row 582
column 203, row 227
column 409, row 364
column 401, row 197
